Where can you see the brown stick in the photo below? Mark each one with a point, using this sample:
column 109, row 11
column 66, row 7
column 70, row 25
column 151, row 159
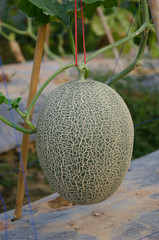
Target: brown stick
column 47, row 42
column 16, row 50
column 109, row 36
column 25, row 141
column 154, row 7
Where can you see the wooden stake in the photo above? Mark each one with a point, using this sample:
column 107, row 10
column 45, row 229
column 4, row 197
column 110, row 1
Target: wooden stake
column 47, row 41
column 25, row 141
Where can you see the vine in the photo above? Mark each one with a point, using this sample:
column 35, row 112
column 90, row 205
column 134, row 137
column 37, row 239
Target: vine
column 64, row 14
column 29, row 32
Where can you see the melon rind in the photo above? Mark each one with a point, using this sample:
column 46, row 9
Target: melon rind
column 84, row 140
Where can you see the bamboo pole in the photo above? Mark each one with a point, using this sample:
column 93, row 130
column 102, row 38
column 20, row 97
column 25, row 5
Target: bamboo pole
column 25, row 141
column 47, row 38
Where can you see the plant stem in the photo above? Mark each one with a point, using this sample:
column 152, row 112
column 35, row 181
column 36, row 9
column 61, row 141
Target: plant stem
column 140, row 30
column 52, row 55
column 72, row 42
column 5, row 35
column 30, row 124
column 123, row 73
column 29, row 25
column 138, row 60
column 145, row 10
column 27, row 121
column 45, row 84
column 21, row 32
column 22, row 114
column 16, row 126
column 30, row 33
column 146, row 19
column 47, row 49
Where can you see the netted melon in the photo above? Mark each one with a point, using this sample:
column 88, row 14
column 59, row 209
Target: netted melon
column 84, row 140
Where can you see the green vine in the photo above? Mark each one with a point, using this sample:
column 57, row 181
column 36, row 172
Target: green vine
column 144, row 29
column 29, row 32
column 20, row 129
column 138, row 60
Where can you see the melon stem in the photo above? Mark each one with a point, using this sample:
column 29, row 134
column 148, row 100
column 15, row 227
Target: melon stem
column 83, row 72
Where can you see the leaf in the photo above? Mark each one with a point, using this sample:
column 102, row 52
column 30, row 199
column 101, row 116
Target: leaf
column 122, row 17
column 152, row 44
column 33, row 11
column 89, row 11
column 61, row 10
column 97, row 27
column 2, row 98
column 55, row 8
column 110, row 3
column 13, row 103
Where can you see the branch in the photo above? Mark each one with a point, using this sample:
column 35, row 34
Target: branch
column 13, row 29
column 16, row 126
column 138, row 60
column 72, row 43
column 30, row 33
column 136, row 33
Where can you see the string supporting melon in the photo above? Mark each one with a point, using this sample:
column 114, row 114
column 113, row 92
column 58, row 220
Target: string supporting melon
column 84, row 140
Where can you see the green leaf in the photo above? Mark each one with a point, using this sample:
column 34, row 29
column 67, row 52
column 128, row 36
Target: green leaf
column 13, row 103
column 89, row 11
column 55, row 8
column 110, row 3
column 33, row 11
column 61, row 10
column 2, row 98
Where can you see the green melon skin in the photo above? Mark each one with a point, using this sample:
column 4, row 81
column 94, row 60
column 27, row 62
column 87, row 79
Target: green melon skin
column 84, row 141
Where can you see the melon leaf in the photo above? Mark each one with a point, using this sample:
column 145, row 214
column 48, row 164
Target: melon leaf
column 61, row 10
column 14, row 104
column 34, row 12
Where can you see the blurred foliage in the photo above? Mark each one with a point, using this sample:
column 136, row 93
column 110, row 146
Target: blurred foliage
column 118, row 21
column 152, row 40
column 143, row 106
column 152, row 44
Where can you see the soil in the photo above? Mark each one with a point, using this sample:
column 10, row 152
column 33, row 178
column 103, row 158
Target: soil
column 38, row 186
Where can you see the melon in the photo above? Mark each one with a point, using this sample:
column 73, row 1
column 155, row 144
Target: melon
column 84, row 140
